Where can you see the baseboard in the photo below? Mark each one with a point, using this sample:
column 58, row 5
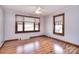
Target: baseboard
column 56, row 39
column 63, row 41
column 10, row 40
column 1, row 44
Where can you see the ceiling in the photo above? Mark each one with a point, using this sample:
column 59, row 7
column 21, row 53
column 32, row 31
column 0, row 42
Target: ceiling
column 46, row 9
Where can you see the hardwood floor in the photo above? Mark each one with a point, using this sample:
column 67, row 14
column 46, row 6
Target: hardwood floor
column 46, row 46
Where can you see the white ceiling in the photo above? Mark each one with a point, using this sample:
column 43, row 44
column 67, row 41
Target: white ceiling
column 46, row 9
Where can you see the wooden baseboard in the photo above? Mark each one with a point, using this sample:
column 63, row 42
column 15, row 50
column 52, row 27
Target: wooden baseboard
column 8, row 41
column 11, row 40
column 55, row 39
column 1, row 44
column 63, row 41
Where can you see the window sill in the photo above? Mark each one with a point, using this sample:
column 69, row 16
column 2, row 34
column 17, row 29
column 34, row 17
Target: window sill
column 27, row 31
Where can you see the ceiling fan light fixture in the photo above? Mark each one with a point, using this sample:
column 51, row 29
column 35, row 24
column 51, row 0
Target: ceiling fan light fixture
column 38, row 11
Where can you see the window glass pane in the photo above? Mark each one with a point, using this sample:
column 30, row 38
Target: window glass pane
column 19, row 26
column 58, row 19
column 27, row 19
column 28, row 26
column 58, row 28
column 36, row 27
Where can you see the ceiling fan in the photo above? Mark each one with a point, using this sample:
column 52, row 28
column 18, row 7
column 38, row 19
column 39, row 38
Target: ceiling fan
column 39, row 10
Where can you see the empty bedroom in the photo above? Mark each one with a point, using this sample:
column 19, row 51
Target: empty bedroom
column 39, row 29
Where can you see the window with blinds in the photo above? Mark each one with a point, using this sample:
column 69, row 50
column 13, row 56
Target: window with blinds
column 27, row 24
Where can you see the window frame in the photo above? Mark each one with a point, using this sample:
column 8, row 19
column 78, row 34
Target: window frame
column 16, row 31
column 62, row 24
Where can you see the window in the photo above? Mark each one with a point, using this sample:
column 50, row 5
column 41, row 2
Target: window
column 27, row 24
column 59, row 24
column 19, row 26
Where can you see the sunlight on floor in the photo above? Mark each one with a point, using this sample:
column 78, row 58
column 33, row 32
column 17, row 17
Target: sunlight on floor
column 28, row 48
column 58, row 49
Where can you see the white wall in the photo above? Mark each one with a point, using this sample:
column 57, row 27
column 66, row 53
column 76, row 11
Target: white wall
column 1, row 27
column 71, row 24
column 10, row 26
